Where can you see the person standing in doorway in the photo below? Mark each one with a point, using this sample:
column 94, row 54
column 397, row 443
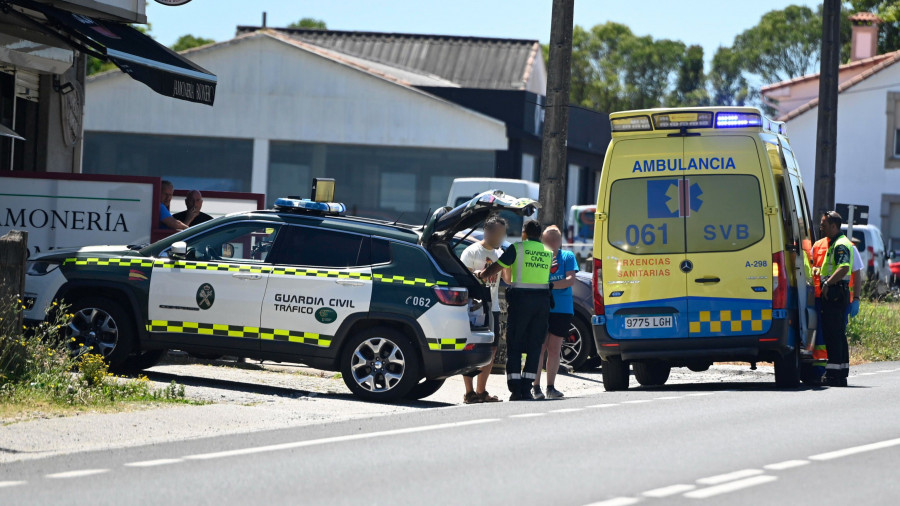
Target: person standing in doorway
column 479, row 256
column 562, row 277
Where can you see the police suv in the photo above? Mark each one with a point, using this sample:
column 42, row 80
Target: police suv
column 385, row 304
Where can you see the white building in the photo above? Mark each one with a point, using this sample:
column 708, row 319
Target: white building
column 868, row 143
column 287, row 111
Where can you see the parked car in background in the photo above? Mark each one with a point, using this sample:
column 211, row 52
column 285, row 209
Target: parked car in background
column 895, row 270
column 875, row 256
column 580, row 235
column 464, row 188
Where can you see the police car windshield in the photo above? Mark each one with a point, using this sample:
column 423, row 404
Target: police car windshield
column 514, row 222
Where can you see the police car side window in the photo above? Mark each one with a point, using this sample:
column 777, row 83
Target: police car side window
column 239, row 242
column 317, row 247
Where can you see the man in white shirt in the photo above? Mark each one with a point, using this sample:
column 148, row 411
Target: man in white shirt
column 477, row 257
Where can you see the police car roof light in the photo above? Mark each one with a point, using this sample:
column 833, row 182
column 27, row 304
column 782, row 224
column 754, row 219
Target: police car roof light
column 738, row 120
column 309, row 206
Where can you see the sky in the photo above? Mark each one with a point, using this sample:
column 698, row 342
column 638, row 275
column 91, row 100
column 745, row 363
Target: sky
column 710, row 23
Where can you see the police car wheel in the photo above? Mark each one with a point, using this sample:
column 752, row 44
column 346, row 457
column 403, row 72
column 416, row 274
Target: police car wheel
column 380, row 364
column 424, row 388
column 651, row 374
column 101, row 325
column 615, row 374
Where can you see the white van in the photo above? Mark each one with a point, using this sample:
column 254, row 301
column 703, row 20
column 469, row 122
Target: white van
column 464, row 188
column 874, row 255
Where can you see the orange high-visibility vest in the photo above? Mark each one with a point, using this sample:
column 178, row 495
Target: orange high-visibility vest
column 819, row 249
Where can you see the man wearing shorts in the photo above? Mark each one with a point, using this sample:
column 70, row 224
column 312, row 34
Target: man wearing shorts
column 562, row 277
column 477, row 257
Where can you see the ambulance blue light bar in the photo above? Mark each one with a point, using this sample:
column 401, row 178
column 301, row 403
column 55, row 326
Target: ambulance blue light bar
column 307, row 205
column 738, row 120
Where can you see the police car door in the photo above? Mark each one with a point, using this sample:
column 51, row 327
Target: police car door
column 319, row 279
column 212, row 297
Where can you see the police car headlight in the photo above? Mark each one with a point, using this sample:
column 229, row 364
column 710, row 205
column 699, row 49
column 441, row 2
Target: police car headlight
column 40, row 267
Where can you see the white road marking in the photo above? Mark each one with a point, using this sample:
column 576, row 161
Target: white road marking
column 616, row 501
column 77, row 474
column 733, row 486
column 4, row 484
column 856, row 449
column 886, row 370
column 637, row 401
column 669, row 398
column 336, row 439
column 527, row 415
column 151, row 463
column 602, row 405
column 659, row 493
column 722, row 478
column 566, row 410
column 700, row 394
column 787, row 464
column 866, row 374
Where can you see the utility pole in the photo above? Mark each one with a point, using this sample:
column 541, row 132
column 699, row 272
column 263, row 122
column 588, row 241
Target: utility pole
column 826, row 134
column 556, row 122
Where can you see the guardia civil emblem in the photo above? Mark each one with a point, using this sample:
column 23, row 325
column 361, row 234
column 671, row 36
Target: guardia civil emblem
column 205, row 296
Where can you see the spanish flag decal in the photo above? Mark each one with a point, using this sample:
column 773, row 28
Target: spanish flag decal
column 136, row 275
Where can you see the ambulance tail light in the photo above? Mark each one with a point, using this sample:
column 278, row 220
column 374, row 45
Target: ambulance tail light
column 779, row 281
column 599, row 306
column 871, row 256
column 452, row 296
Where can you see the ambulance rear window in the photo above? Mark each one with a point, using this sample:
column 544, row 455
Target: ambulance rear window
column 695, row 214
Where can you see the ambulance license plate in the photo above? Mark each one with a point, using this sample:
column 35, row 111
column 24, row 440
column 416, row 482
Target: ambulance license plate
column 649, row 322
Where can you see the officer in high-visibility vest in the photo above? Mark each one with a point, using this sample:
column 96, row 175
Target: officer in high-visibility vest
column 835, row 288
column 529, row 307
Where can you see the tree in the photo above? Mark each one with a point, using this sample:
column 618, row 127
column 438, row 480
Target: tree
column 727, row 83
column 188, row 41
column 889, row 11
column 309, row 23
column 690, row 87
column 784, row 44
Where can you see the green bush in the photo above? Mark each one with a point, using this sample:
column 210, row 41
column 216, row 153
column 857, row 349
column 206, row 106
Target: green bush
column 874, row 334
column 38, row 364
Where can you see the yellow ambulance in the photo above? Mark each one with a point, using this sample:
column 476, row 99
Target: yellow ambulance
column 702, row 246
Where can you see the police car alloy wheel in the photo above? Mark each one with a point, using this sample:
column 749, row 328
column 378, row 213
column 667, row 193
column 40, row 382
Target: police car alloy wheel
column 380, row 364
column 103, row 327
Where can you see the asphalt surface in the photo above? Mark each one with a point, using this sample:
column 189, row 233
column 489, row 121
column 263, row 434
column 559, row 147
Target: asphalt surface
column 733, row 443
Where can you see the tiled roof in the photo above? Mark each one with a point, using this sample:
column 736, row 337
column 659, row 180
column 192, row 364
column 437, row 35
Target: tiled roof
column 889, row 60
column 847, row 66
column 866, row 17
column 470, row 62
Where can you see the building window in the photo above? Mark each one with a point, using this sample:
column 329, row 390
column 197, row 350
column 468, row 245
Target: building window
column 197, row 163
column 892, row 142
column 375, row 181
column 528, row 167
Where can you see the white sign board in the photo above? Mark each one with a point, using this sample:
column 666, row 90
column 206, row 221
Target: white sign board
column 72, row 212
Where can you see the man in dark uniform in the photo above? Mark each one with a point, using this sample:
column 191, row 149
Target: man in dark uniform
column 835, row 277
column 529, row 307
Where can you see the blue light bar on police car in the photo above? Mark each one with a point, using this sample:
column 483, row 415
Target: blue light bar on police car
column 309, row 205
column 738, row 120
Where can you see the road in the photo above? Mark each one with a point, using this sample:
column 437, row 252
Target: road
column 734, row 443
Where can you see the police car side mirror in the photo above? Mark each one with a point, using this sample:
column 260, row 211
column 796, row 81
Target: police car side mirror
column 179, row 249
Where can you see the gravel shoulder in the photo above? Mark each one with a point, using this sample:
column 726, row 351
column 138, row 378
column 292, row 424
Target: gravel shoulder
column 249, row 397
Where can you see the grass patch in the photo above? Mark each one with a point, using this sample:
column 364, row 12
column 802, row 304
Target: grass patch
column 874, row 334
column 41, row 374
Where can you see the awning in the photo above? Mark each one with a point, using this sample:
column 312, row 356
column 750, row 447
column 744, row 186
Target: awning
column 141, row 57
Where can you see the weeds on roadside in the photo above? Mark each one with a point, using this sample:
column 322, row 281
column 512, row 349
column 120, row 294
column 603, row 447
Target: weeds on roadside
column 874, row 334
column 42, row 365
